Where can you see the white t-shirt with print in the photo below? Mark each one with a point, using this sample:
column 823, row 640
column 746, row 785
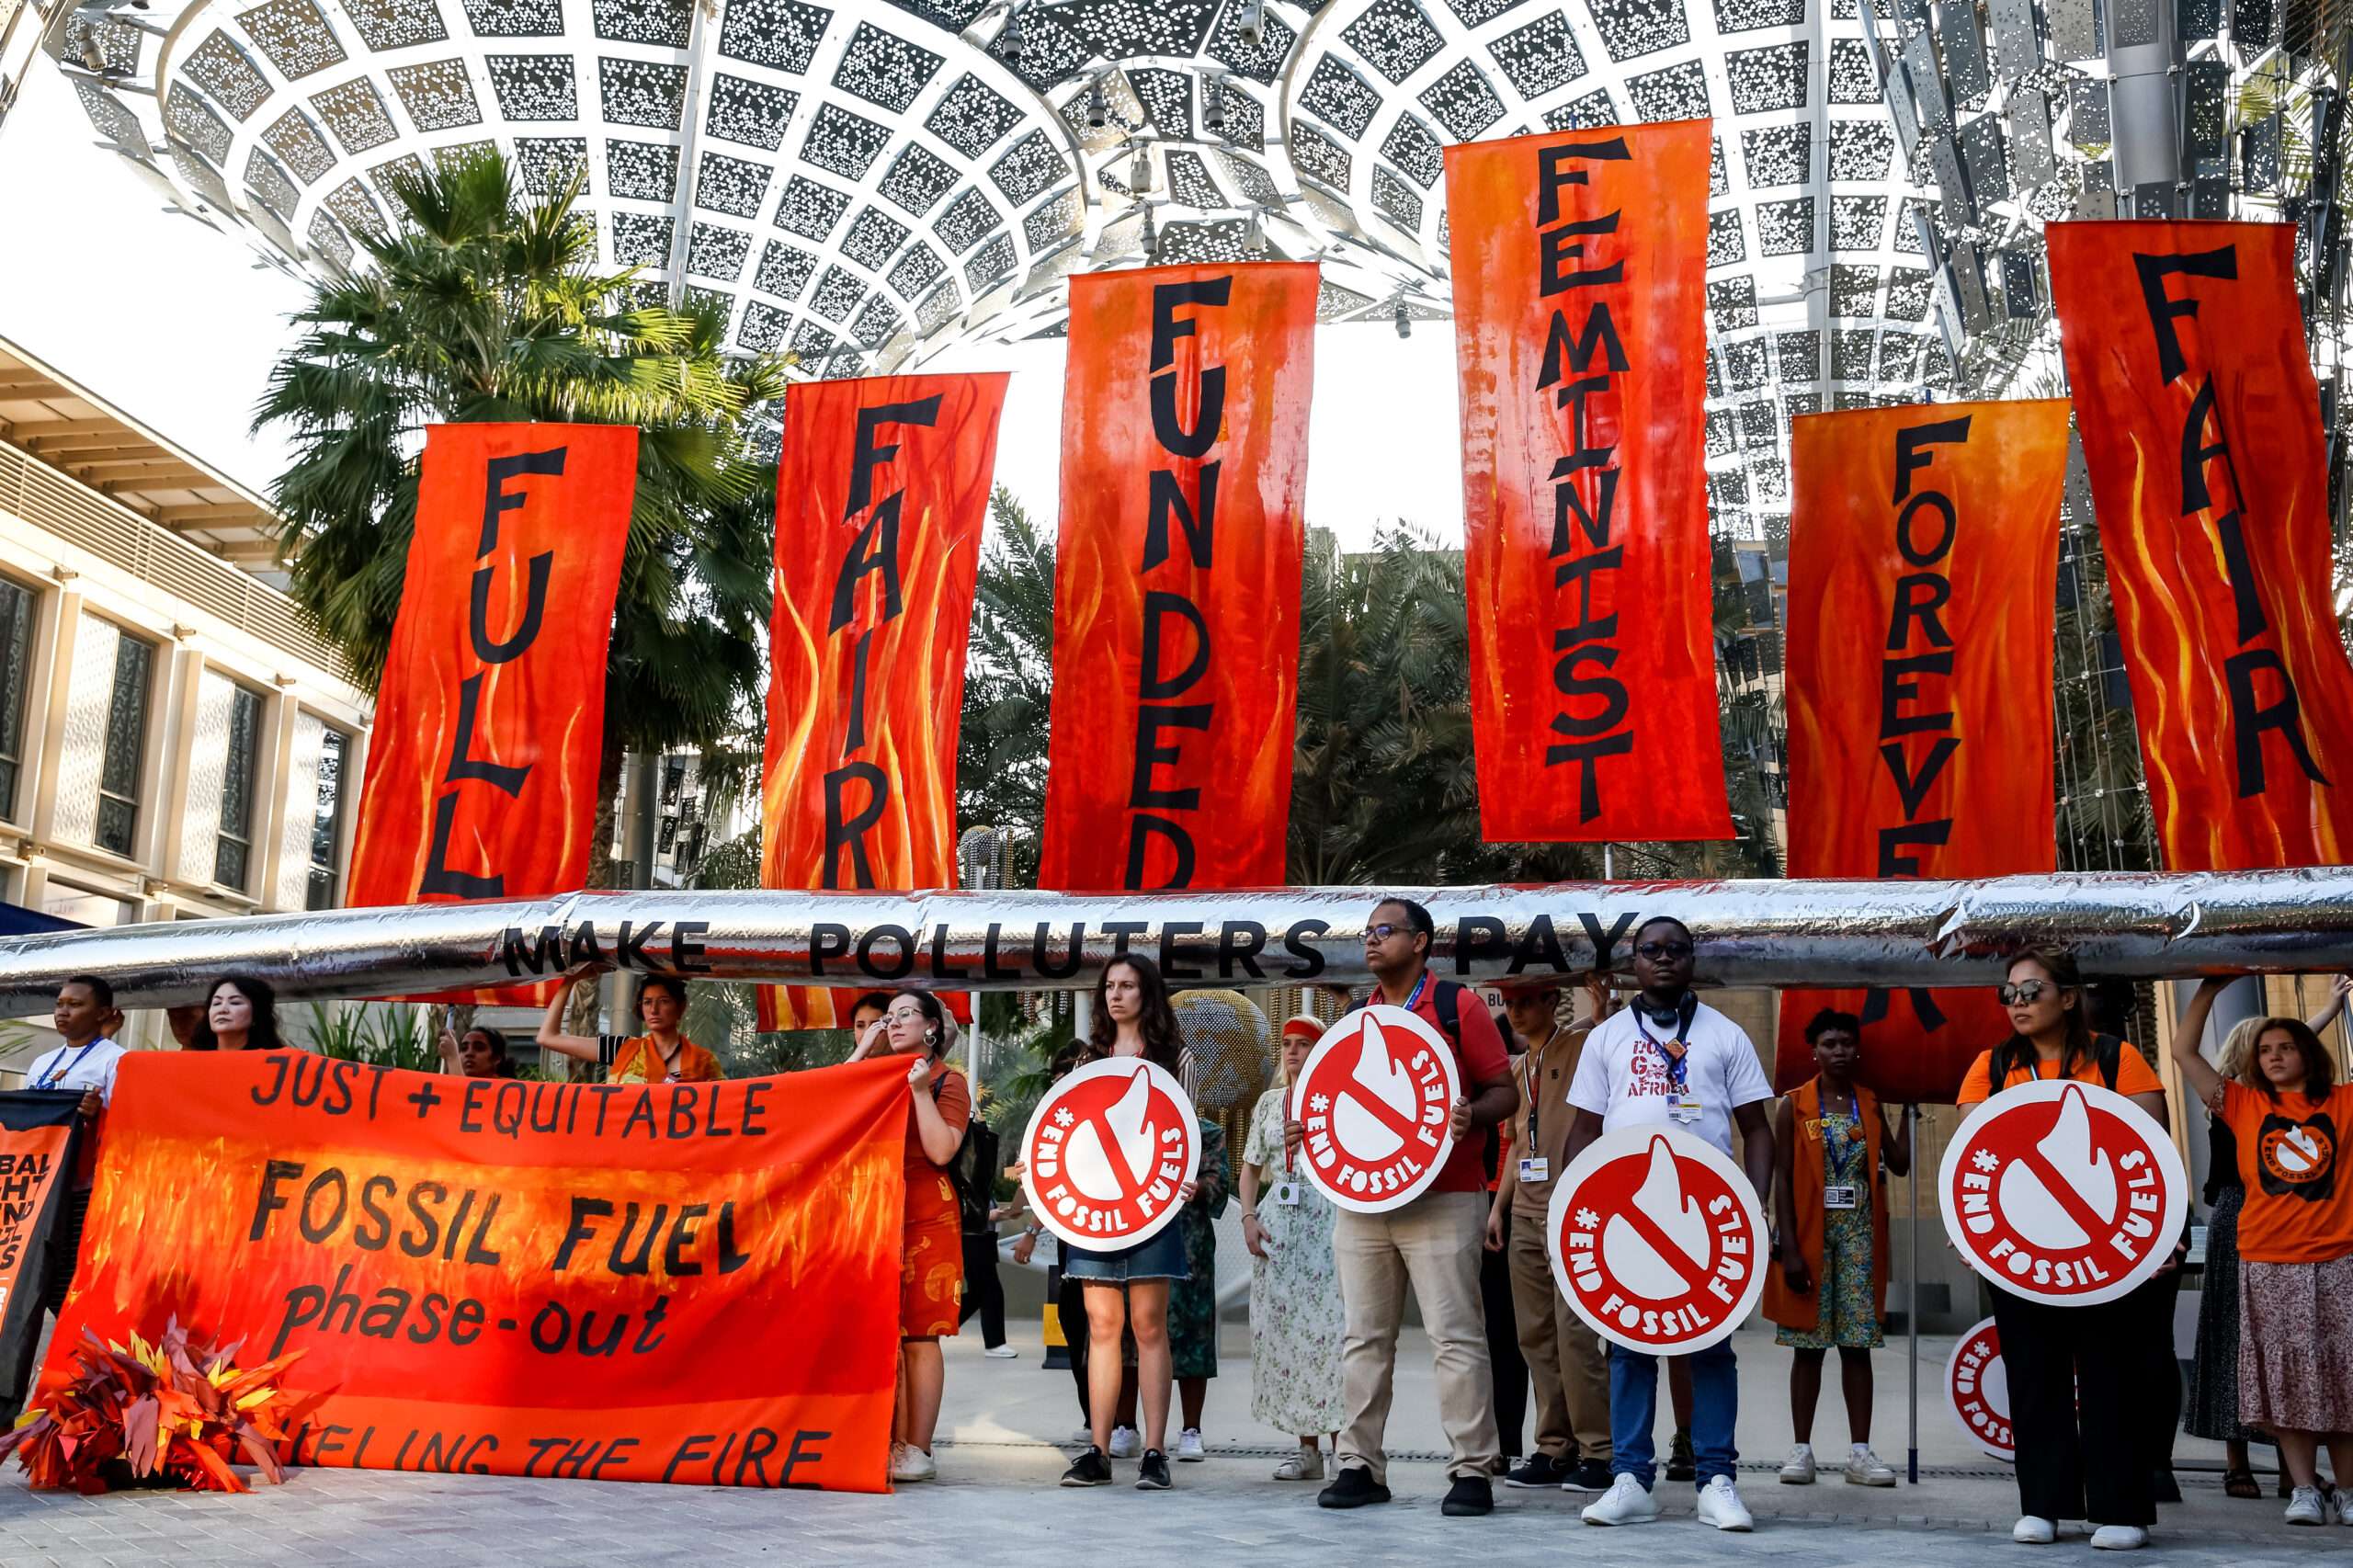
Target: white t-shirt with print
column 77, row 1069
column 1624, row 1078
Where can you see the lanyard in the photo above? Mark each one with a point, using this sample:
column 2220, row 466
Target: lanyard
column 1846, row 1151
column 57, row 1076
column 1531, row 1082
column 1414, row 999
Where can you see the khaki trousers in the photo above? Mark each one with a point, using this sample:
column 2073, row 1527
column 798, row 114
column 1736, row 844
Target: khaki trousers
column 1564, row 1357
column 1433, row 1243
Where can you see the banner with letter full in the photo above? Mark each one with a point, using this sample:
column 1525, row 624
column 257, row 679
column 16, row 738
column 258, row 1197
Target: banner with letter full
column 1177, row 585
column 1376, row 1097
column 1579, row 310
column 1108, row 1149
column 881, row 493
column 39, row 1132
column 687, row 1282
column 2200, row 424
column 490, row 720
column 1924, row 551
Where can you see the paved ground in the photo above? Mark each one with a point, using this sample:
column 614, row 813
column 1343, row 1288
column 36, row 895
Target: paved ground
column 996, row 1505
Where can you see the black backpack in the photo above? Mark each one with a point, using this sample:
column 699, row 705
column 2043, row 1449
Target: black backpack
column 972, row 1173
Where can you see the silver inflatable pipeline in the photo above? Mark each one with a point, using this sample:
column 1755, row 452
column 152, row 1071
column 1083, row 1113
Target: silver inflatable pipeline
column 1748, row 933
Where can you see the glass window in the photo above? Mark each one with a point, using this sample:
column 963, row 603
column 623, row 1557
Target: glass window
column 85, row 906
column 327, row 827
column 15, row 675
column 232, row 852
column 134, row 664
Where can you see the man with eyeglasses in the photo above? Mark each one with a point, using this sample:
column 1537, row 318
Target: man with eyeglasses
column 1672, row 1060
column 1433, row 1243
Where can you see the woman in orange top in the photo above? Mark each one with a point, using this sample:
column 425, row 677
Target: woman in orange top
column 931, row 1278
column 660, row 1056
column 2295, row 1247
column 2076, row 1460
column 1831, row 1205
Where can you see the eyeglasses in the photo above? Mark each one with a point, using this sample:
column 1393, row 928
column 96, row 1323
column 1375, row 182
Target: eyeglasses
column 2024, row 990
column 1381, row 933
column 902, row 1015
column 1655, row 950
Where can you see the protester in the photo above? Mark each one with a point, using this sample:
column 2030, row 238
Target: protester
column 1506, row 1367
column 480, row 1054
column 1192, row 1301
column 86, row 1059
column 1563, row 1356
column 1126, row 1290
column 1433, row 1243
column 660, row 1056
column 240, row 1014
column 183, row 1021
column 864, row 1013
column 1699, row 1072
column 1831, row 1142
column 2295, row 1247
column 1295, row 1321
column 2074, row 1405
column 973, row 1175
column 1069, row 1298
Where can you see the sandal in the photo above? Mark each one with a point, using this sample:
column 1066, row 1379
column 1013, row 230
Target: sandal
column 2241, row 1483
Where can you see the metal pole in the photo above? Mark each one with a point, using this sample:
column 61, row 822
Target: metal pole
column 1608, row 871
column 1912, row 1291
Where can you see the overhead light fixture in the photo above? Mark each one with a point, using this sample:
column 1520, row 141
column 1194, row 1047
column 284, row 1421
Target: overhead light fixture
column 92, row 55
column 1098, row 110
column 1254, row 22
column 1010, row 41
column 1215, row 117
column 1254, row 235
column 1404, row 319
column 1151, row 235
column 1139, row 172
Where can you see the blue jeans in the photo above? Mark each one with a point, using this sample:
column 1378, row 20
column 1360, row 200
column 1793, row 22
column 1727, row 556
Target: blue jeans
column 1633, row 1409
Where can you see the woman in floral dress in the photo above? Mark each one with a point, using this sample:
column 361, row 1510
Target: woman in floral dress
column 1295, row 1321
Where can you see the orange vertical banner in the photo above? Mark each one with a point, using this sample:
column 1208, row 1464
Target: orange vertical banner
column 1924, row 562
column 1580, row 260
column 1177, row 585
column 881, row 493
column 482, row 764
column 2200, row 424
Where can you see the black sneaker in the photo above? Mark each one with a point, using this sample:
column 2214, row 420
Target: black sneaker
column 1352, row 1488
column 1468, row 1497
column 1678, row 1458
column 1152, row 1475
column 1591, row 1475
column 1540, row 1469
column 1090, row 1468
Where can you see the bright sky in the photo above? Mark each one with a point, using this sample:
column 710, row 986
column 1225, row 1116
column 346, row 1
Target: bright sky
column 178, row 324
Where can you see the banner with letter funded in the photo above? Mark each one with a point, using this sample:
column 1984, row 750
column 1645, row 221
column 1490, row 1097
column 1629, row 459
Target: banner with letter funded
column 490, row 720
column 2201, row 423
column 1924, row 551
column 683, row 1282
column 40, row 1130
column 1580, row 260
column 881, row 493
column 1177, row 585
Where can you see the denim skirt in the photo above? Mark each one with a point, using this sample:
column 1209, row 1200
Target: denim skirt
column 1162, row 1256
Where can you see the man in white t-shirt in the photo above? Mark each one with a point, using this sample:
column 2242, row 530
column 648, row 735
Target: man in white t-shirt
column 1671, row 1060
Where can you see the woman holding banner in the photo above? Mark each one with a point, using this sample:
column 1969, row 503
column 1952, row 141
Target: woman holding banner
column 2078, row 1457
column 1295, row 1323
column 2295, row 1247
column 660, row 1056
column 240, row 1014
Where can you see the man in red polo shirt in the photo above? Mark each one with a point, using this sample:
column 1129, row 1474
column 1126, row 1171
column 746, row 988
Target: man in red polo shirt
column 1433, row 1243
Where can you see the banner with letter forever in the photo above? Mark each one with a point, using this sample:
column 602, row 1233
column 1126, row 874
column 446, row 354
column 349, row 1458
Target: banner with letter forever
column 688, row 1282
column 482, row 765
column 2201, row 423
column 1924, row 551
column 881, row 493
column 37, row 1137
column 1177, row 584
column 1579, row 261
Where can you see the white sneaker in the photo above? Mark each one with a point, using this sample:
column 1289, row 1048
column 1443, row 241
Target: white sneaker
column 1000, row 1353
column 1126, row 1443
column 1189, row 1447
column 1798, row 1469
column 1628, row 1502
column 2120, row 1538
column 2344, row 1501
column 2033, row 1529
column 1720, row 1506
column 1307, row 1465
column 1864, row 1469
column 911, row 1463
column 2308, row 1507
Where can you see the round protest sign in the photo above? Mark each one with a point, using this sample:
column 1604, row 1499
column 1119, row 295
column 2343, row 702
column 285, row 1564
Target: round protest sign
column 2063, row 1192
column 1977, row 1388
column 1107, row 1151
column 1657, row 1240
column 1376, row 1097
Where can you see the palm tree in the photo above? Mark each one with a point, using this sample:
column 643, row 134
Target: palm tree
column 485, row 306
column 1001, row 749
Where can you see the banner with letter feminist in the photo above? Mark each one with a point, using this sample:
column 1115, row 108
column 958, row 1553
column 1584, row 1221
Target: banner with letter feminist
column 1377, row 1098
column 2201, row 423
column 490, row 720
column 1177, row 585
column 881, row 493
column 37, row 1137
column 1579, row 307
column 1924, row 551
column 1107, row 1151
column 685, row 1282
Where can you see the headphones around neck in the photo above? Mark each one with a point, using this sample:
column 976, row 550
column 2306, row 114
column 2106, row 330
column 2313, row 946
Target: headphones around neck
column 1677, row 1017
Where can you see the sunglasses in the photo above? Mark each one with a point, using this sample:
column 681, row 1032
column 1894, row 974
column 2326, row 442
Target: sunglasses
column 1655, row 950
column 2024, row 990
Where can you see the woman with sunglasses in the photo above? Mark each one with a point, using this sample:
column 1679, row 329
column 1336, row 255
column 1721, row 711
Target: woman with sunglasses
column 931, row 1279
column 2077, row 1457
